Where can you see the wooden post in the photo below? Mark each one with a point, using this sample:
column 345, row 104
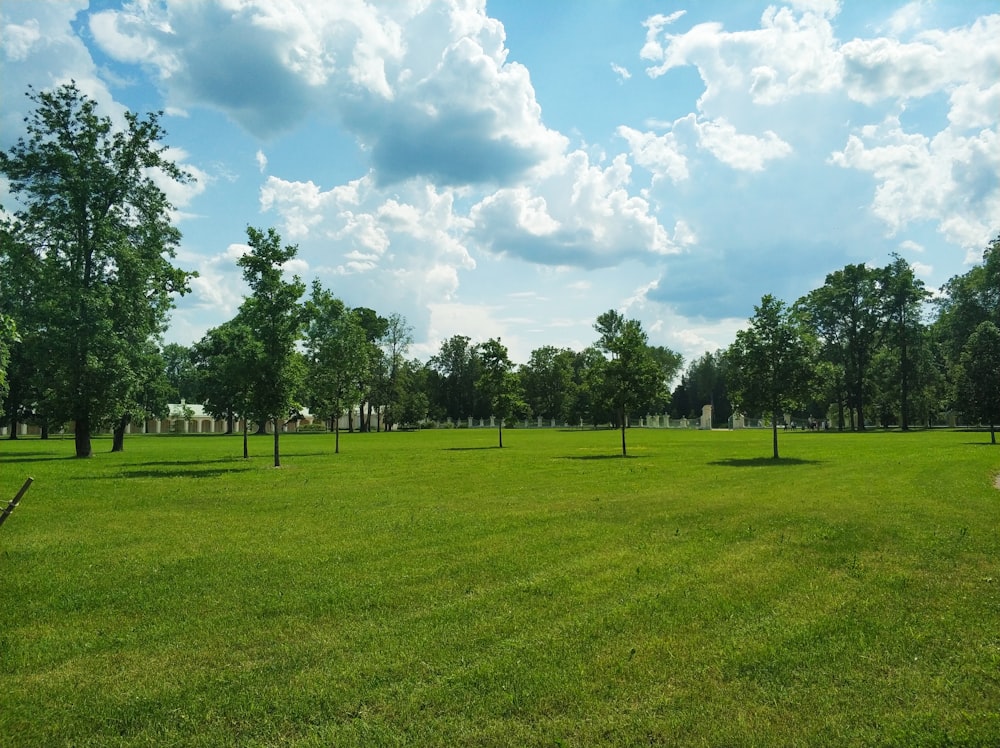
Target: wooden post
column 13, row 502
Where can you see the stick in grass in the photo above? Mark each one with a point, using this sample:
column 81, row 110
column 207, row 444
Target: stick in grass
column 13, row 502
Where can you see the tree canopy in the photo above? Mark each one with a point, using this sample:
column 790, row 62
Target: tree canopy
column 94, row 230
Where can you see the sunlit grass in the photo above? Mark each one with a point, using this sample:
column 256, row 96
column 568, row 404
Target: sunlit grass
column 429, row 589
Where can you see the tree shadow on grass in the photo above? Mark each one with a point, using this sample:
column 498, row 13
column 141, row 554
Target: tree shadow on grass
column 188, row 473
column 469, row 449
column 33, row 457
column 763, row 462
column 602, row 457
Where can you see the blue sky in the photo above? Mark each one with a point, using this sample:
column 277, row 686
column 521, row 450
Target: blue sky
column 513, row 169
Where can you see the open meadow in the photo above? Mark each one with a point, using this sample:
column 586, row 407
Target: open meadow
column 427, row 589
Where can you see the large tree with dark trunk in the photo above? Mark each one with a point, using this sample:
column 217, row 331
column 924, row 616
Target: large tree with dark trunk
column 95, row 225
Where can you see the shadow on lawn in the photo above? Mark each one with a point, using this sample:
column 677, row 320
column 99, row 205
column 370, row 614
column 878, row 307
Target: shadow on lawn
column 33, row 457
column 204, row 473
column 763, row 462
column 469, row 449
column 601, row 457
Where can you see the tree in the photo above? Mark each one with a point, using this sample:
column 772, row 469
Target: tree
column 96, row 228
column 902, row 296
column 547, row 379
column 8, row 336
column 968, row 300
column 455, row 373
column 179, row 369
column 632, row 375
column 274, row 317
column 372, row 388
column 336, row 357
column 770, row 363
column 978, row 376
column 498, row 383
column 394, row 342
column 224, row 360
column 844, row 315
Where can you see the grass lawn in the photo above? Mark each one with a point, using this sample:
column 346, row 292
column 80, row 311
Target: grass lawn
column 429, row 589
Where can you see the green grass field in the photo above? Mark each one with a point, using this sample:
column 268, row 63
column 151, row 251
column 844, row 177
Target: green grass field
column 428, row 589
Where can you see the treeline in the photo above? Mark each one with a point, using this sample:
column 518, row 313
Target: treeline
column 871, row 346
column 87, row 282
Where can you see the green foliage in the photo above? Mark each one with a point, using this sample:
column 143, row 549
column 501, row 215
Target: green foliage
column 978, row 375
column 845, row 317
column 274, row 318
column 540, row 595
column 8, row 337
column 91, row 248
column 337, row 360
column 633, row 376
column 771, row 364
column 499, row 385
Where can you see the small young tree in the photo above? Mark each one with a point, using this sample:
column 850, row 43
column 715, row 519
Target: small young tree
column 336, row 357
column 770, row 363
column 632, row 376
column 498, row 384
column 273, row 314
column 978, row 376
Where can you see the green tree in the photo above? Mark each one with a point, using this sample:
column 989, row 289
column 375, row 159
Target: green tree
column 8, row 336
column 179, row 369
column 274, row 316
column 455, row 373
column 978, row 376
column 903, row 295
column 499, row 384
column 336, row 357
column 967, row 301
column 224, row 360
column 632, row 375
column 98, row 232
column 844, row 314
column 770, row 363
column 548, row 381
column 395, row 341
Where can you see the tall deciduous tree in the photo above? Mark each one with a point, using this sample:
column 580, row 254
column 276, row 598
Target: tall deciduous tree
column 968, row 300
column 98, row 228
column 455, row 373
column 978, row 376
column 632, row 375
column 336, row 357
column 548, row 381
column 902, row 295
column 845, row 315
column 8, row 336
column 273, row 313
column 770, row 363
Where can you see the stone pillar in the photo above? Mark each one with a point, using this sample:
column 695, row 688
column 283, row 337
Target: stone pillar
column 493, row 423
column 22, row 429
column 553, row 423
column 470, row 422
column 684, row 422
column 738, row 422
column 706, row 417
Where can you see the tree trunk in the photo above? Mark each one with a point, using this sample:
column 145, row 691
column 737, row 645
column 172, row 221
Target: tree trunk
column 230, row 422
column 774, row 434
column 500, row 432
column 277, row 430
column 336, row 432
column 624, row 451
column 246, row 451
column 904, row 395
column 45, row 429
column 118, row 442
column 81, row 436
column 14, row 423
